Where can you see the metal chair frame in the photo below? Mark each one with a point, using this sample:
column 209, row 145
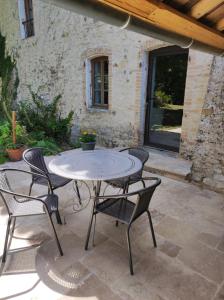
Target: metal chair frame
column 131, row 179
column 124, row 183
column 108, row 207
column 43, row 170
column 23, row 198
column 35, row 160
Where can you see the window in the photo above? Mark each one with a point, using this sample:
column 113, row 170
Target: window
column 99, row 70
column 26, row 18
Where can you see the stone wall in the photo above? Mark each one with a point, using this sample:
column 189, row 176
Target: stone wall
column 198, row 72
column 208, row 160
column 54, row 60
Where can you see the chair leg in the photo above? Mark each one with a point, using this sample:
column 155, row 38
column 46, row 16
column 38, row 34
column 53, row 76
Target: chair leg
column 55, row 234
column 6, row 240
column 58, row 217
column 94, row 229
column 129, row 251
column 77, row 192
column 30, row 190
column 152, row 229
column 90, row 227
column 13, row 225
column 125, row 189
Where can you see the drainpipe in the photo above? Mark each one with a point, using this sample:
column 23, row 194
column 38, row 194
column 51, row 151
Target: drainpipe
column 111, row 16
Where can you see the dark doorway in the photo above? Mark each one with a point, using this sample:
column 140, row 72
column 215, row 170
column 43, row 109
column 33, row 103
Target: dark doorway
column 165, row 97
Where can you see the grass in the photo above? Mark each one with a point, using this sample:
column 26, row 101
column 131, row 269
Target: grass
column 165, row 127
column 172, row 106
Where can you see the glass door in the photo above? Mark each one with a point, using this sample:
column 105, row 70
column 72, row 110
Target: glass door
column 165, row 97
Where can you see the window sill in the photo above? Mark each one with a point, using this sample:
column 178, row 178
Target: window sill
column 98, row 109
column 28, row 37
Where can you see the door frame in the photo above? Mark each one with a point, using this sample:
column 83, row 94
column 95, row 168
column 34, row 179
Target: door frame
column 169, row 50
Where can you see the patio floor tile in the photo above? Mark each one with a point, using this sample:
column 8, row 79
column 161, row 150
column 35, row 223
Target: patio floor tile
column 108, row 261
column 172, row 280
column 187, row 265
column 220, row 294
column 206, row 261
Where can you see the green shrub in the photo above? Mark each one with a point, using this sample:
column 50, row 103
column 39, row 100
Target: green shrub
column 3, row 158
column 9, row 81
column 45, row 119
column 49, row 146
column 161, row 98
column 5, row 134
column 22, row 137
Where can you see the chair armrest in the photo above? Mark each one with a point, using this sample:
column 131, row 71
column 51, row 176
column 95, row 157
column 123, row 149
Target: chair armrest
column 126, row 195
column 156, row 179
column 117, row 196
column 28, row 198
column 22, row 171
column 124, row 149
column 30, row 173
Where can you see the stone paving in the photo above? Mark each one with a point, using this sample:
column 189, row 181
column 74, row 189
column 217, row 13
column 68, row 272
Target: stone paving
column 187, row 265
column 167, row 163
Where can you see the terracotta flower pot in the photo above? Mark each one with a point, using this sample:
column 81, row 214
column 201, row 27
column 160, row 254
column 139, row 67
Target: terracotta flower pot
column 15, row 154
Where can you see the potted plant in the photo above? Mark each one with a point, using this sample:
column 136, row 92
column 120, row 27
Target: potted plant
column 87, row 140
column 15, row 139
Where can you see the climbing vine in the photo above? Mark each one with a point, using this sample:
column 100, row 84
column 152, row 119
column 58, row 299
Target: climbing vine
column 8, row 81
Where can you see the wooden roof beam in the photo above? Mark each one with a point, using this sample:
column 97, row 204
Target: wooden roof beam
column 203, row 7
column 180, row 2
column 220, row 25
column 162, row 16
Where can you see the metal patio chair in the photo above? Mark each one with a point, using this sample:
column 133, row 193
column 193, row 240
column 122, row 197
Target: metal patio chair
column 35, row 159
column 124, row 182
column 20, row 205
column 125, row 211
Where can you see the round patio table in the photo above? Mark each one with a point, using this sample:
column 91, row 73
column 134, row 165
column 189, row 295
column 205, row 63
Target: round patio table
column 96, row 166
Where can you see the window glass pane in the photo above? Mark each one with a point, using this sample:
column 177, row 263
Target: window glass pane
column 105, row 97
column 100, row 81
column 106, row 68
column 97, row 69
column 97, row 83
column 105, row 82
column 97, row 97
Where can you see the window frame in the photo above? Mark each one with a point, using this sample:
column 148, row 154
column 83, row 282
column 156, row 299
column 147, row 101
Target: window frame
column 102, row 60
column 26, row 18
column 29, row 27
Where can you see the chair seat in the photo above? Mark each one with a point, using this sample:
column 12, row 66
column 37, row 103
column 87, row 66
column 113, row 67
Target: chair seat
column 121, row 208
column 34, row 207
column 56, row 181
column 121, row 182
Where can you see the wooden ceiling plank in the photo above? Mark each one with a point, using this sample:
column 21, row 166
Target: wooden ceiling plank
column 216, row 15
column 191, row 3
column 203, row 7
column 163, row 16
column 220, row 25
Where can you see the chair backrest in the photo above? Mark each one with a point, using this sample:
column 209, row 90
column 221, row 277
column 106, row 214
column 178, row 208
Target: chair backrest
column 140, row 153
column 145, row 196
column 35, row 159
column 8, row 200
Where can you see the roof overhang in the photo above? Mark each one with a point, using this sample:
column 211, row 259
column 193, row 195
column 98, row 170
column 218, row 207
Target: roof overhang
column 152, row 18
